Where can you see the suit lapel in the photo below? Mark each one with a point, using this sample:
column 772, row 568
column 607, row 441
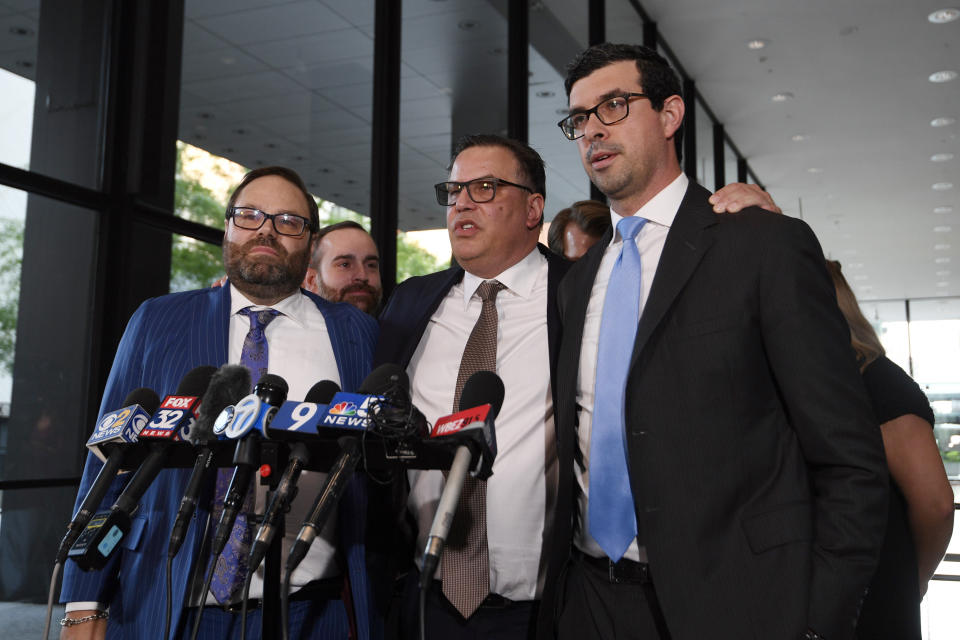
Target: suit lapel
column 690, row 237
column 424, row 306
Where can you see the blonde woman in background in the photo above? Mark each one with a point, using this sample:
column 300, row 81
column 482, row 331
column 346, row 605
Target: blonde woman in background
column 920, row 522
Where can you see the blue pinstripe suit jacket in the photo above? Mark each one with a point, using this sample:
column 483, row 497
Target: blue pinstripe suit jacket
column 167, row 337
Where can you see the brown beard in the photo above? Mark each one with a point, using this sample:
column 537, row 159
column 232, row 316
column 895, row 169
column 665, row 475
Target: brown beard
column 265, row 280
column 340, row 295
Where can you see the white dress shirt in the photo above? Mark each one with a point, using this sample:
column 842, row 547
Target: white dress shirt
column 525, row 466
column 301, row 353
column 660, row 212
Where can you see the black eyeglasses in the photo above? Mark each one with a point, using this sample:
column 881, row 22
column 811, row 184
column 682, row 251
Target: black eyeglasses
column 285, row 224
column 480, row 190
column 609, row 111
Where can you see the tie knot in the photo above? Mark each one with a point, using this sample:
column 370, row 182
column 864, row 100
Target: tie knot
column 259, row 319
column 630, row 226
column 489, row 289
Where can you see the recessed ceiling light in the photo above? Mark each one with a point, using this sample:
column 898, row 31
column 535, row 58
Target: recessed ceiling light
column 943, row 284
column 941, row 157
column 562, row 112
column 947, row 209
column 942, row 16
column 941, row 186
column 545, row 94
column 854, row 265
column 942, row 229
column 799, row 137
column 942, row 260
column 850, row 252
column 756, row 44
column 21, row 31
column 467, row 25
column 865, row 288
column 241, row 131
column 861, row 277
column 814, row 170
column 782, row 96
column 941, row 247
column 942, row 76
column 943, row 273
column 228, row 59
column 944, row 121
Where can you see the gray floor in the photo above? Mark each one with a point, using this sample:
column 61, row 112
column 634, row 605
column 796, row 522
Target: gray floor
column 25, row 621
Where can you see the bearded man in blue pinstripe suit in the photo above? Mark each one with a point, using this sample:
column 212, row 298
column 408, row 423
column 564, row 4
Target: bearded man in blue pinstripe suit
column 271, row 220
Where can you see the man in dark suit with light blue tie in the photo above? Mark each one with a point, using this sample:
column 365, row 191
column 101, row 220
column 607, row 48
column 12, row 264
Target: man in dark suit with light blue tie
column 271, row 219
column 721, row 475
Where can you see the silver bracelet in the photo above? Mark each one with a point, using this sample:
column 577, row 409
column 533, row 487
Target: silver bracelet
column 69, row 622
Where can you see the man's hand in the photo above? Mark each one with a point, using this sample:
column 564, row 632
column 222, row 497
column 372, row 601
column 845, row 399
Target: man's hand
column 93, row 630
column 738, row 195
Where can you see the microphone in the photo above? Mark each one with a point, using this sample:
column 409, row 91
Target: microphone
column 253, row 414
column 320, row 394
column 329, row 496
column 113, row 429
column 386, row 378
column 172, row 422
column 227, row 386
column 473, row 430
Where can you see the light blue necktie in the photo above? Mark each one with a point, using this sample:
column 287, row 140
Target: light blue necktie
column 613, row 523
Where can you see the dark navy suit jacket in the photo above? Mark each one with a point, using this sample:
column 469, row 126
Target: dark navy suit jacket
column 167, row 337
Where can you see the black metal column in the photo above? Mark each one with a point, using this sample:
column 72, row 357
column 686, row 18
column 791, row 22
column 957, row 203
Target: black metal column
column 741, row 169
column 518, row 69
column 690, row 129
column 650, row 35
column 597, row 22
column 385, row 151
column 719, row 166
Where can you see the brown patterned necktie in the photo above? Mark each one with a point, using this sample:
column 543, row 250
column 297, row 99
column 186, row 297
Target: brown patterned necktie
column 466, row 563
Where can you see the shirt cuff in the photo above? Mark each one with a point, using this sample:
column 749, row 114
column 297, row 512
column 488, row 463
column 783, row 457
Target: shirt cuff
column 84, row 606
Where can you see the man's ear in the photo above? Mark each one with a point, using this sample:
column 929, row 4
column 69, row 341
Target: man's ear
column 310, row 282
column 534, row 210
column 671, row 116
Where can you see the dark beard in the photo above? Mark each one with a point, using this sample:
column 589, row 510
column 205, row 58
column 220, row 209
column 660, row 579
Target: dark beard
column 340, row 295
column 265, row 280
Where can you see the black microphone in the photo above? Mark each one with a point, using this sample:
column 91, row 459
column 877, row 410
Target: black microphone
column 387, row 378
column 253, row 414
column 329, row 496
column 473, row 430
column 395, row 418
column 228, row 385
column 321, row 393
column 173, row 422
column 113, row 429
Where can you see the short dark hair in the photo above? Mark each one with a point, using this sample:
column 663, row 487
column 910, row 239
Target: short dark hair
column 531, row 164
column 290, row 176
column 336, row 226
column 591, row 216
column 657, row 78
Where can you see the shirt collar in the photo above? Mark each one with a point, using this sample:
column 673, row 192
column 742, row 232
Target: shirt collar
column 519, row 279
column 661, row 209
column 292, row 306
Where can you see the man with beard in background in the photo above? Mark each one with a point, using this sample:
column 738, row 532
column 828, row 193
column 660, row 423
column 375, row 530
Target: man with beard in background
column 346, row 267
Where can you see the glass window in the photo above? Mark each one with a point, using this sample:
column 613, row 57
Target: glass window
column 62, row 137
column 558, row 32
column 289, row 84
